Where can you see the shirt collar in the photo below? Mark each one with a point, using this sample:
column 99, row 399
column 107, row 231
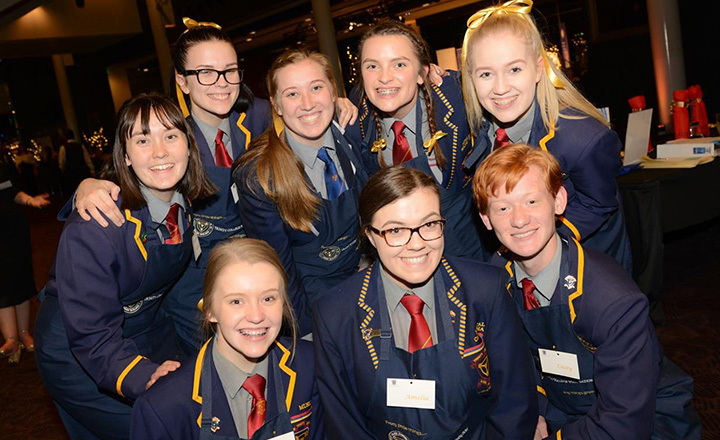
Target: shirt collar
column 546, row 281
column 394, row 292
column 158, row 208
column 307, row 154
column 409, row 119
column 209, row 132
column 520, row 131
column 233, row 377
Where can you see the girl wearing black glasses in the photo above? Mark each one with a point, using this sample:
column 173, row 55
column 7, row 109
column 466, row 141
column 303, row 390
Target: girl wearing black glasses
column 225, row 117
column 426, row 346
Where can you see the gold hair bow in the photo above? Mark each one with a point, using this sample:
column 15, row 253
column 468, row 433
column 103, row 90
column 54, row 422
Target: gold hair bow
column 378, row 145
column 201, row 304
column 190, row 23
column 278, row 124
column 511, row 7
column 430, row 143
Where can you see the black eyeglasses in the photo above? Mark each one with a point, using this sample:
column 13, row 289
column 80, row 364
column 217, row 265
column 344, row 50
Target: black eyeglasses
column 208, row 77
column 400, row 236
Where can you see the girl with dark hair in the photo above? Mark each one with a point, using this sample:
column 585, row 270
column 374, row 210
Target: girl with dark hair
column 419, row 345
column 225, row 118
column 249, row 382
column 405, row 119
column 102, row 338
column 300, row 181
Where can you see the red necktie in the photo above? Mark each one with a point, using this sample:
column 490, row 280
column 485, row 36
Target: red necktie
column 255, row 385
column 172, row 224
column 528, row 296
column 420, row 336
column 501, row 138
column 222, row 158
column 401, row 147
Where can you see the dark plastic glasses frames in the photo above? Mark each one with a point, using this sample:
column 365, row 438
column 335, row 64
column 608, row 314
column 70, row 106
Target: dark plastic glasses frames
column 400, row 236
column 208, row 77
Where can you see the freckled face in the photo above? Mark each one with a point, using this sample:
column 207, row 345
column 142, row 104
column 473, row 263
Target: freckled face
column 504, row 74
column 414, row 263
column 391, row 74
column 524, row 218
column 247, row 307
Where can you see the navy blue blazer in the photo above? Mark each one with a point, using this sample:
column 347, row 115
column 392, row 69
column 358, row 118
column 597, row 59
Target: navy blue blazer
column 171, row 408
column 609, row 314
column 484, row 323
column 95, row 269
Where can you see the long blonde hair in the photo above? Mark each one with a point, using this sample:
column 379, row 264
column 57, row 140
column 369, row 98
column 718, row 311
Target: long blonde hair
column 552, row 98
column 280, row 173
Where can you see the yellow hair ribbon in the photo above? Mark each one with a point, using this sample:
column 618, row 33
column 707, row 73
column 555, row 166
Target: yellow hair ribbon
column 278, row 124
column 511, row 7
column 378, row 145
column 190, row 23
column 554, row 79
column 181, row 98
column 430, row 143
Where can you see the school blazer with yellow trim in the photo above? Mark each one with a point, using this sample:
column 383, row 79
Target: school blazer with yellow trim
column 172, row 407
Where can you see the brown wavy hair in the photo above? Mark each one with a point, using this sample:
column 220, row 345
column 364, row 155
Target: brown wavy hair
column 422, row 52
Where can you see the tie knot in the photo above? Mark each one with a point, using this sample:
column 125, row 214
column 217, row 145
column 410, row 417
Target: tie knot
column 255, row 385
column 397, row 127
column 172, row 216
column 323, row 155
column 527, row 285
column 413, row 303
column 219, row 137
column 501, row 135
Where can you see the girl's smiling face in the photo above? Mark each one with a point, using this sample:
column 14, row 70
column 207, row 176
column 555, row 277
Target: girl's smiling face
column 504, row 74
column 391, row 74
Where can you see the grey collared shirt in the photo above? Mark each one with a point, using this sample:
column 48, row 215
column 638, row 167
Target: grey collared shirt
column 232, row 378
column 411, row 132
column 159, row 210
column 314, row 167
column 209, row 133
column 518, row 132
column 399, row 316
column 546, row 281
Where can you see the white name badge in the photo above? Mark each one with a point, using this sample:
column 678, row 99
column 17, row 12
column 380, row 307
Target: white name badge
column 234, row 191
column 411, row 393
column 559, row 363
column 286, row 436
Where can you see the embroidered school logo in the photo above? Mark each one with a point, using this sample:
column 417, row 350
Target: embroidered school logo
column 215, row 424
column 133, row 308
column 397, row 435
column 329, row 253
column 302, row 429
column 570, row 282
column 480, row 362
column 203, row 228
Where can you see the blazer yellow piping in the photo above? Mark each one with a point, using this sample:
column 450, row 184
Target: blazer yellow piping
column 242, row 128
column 368, row 317
column 446, row 120
column 289, row 371
column 508, row 268
column 559, row 436
column 459, row 304
column 121, row 378
column 544, row 140
column 580, row 276
column 196, row 378
column 541, row 390
column 138, row 229
column 570, row 226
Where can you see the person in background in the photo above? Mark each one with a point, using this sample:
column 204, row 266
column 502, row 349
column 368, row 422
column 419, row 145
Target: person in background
column 16, row 268
column 247, row 382
column 513, row 93
column 74, row 161
column 419, row 345
column 601, row 370
column 102, row 337
column 299, row 187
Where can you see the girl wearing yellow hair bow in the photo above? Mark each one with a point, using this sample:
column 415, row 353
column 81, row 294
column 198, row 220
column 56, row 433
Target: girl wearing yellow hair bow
column 404, row 119
column 514, row 94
